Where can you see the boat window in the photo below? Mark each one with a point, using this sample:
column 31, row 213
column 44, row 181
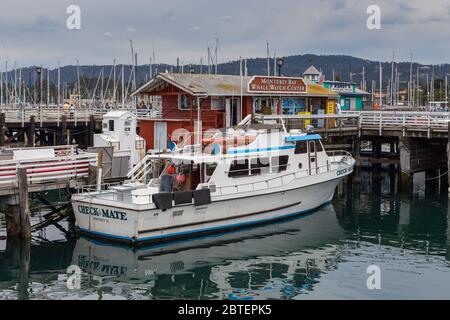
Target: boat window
column 260, row 166
column 301, row 147
column 210, row 168
column 280, row 164
column 312, row 147
column 239, row 168
column 111, row 125
column 319, row 146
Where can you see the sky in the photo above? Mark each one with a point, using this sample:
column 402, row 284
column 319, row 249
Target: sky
column 34, row 32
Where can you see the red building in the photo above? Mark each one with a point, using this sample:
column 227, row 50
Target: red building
column 224, row 101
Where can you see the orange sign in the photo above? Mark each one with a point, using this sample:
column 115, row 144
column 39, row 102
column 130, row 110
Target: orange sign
column 277, row 85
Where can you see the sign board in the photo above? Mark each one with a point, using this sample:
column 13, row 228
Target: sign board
column 281, row 85
column 341, row 87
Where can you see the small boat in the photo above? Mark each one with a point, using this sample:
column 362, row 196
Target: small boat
column 198, row 190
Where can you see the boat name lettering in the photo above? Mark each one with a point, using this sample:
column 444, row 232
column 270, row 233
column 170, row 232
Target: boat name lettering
column 105, row 213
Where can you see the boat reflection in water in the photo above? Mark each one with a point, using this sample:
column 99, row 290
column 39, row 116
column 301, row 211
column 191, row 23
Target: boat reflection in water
column 252, row 263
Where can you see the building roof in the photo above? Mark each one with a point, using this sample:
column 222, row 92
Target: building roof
column 118, row 114
column 312, row 71
column 219, row 85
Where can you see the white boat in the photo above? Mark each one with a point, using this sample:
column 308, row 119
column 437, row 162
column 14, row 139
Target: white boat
column 235, row 180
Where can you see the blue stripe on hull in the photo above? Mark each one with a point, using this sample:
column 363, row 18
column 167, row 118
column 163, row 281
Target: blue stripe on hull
column 200, row 231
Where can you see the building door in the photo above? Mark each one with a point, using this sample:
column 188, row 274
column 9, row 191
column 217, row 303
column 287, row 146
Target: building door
column 233, row 110
column 312, row 155
column 160, row 136
column 353, row 104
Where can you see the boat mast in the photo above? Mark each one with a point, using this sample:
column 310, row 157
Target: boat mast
column 48, row 87
column 381, row 84
column 123, row 86
column 114, row 82
column 79, row 84
column 1, row 89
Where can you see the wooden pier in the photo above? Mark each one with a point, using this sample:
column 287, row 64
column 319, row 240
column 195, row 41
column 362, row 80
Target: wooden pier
column 47, row 168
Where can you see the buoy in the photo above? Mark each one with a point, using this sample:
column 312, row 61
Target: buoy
column 172, row 146
column 181, row 178
column 216, row 149
column 171, row 170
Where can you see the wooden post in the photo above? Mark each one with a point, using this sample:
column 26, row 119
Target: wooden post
column 63, row 140
column 357, row 154
column 12, row 221
column 2, row 129
column 91, row 131
column 30, row 131
column 25, row 228
column 448, row 160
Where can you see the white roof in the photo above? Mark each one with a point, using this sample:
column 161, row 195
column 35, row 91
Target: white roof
column 118, row 114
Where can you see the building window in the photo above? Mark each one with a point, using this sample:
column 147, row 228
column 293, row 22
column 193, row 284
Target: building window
column 239, row 168
column 260, row 166
column 184, row 102
column 280, row 164
column 140, row 144
column 217, row 104
column 265, row 106
column 293, row 106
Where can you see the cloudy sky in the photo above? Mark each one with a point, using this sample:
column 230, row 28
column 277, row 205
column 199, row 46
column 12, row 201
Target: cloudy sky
column 34, row 31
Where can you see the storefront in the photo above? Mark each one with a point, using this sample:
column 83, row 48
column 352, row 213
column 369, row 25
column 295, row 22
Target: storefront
column 351, row 97
column 225, row 100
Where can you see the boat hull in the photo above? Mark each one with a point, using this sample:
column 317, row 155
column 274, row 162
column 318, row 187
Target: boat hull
column 155, row 226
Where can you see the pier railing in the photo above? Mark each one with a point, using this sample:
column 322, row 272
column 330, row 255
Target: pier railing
column 68, row 163
column 41, row 114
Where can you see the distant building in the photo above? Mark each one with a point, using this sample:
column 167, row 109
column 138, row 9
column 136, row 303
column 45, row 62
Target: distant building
column 351, row 97
column 312, row 74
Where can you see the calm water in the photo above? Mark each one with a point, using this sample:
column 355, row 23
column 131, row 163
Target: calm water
column 321, row 256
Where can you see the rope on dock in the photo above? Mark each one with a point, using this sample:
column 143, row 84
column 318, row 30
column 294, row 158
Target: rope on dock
column 437, row 177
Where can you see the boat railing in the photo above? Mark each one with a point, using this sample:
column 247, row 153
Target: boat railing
column 337, row 161
column 104, row 188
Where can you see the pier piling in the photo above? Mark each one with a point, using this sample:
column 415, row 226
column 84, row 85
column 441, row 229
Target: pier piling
column 31, row 131
column 63, row 139
column 448, row 160
column 2, row 129
column 18, row 212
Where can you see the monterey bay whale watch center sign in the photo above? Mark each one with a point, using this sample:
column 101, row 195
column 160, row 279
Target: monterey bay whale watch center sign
column 260, row 84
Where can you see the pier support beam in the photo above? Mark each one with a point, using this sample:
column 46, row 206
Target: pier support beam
column 448, row 160
column 63, row 139
column 431, row 181
column 30, row 132
column 18, row 212
column 2, row 129
column 357, row 154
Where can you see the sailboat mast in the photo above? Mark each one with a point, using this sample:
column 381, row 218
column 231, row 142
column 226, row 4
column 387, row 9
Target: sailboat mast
column 114, row 82
column 381, row 84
